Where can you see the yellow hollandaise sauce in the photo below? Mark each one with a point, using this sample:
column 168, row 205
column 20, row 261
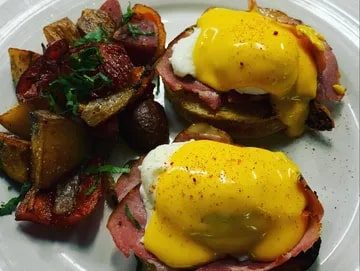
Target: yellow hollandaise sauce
column 244, row 49
column 218, row 199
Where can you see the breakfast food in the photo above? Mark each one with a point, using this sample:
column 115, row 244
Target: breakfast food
column 208, row 205
column 252, row 73
column 70, row 98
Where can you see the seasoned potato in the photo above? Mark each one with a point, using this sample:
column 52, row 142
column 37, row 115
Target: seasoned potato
column 61, row 29
column 58, row 145
column 17, row 119
column 99, row 110
column 15, row 157
column 145, row 126
column 91, row 19
column 20, row 61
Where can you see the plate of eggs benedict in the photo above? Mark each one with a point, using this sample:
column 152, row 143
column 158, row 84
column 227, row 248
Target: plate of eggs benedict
column 261, row 169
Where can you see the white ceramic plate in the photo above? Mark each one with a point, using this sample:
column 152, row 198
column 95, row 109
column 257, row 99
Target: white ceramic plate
column 329, row 161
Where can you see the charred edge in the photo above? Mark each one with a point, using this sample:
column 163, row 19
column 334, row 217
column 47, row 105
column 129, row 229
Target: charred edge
column 319, row 117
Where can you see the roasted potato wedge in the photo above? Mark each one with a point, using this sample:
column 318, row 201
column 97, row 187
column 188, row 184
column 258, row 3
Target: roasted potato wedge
column 58, row 144
column 17, row 119
column 15, row 157
column 252, row 122
column 20, row 61
column 61, row 29
column 91, row 19
column 99, row 110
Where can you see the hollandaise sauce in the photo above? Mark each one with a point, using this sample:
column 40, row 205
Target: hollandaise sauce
column 217, row 199
column 244, row 49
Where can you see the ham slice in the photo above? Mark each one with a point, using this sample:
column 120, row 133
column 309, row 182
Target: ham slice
column 128, row 238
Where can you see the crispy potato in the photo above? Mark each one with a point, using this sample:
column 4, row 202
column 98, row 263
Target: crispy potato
column 17, row 119
column 240, row 122
column 15, row 157
column 91, row 19
column 59, row 145
column 61, row 29
column 20, row 61
column 99, row 110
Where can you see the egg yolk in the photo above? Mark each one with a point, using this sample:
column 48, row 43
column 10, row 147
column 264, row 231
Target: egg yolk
column 240, row 49
column 217, row 199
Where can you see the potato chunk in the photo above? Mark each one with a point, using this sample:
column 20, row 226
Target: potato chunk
column 58, row 144
column 61, row 29
column 92, row 19
column 15, row 157
column 17, row 119
column 20, row 60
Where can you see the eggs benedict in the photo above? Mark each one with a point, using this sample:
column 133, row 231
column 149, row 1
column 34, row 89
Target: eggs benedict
column 205, row 202
column 252, row 73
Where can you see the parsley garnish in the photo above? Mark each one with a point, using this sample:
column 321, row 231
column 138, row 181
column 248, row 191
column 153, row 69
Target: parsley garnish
column 99, row 35
column 77, row 86
column 131, row 217
column 10, row 206
column 107, row 169
column 93, row 186
column 128, row 15
column 135, row 31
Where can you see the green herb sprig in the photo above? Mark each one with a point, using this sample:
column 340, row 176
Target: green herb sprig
column 107, row 169
column 93, row 186
column 9, row 207
column 132, row 219
column 135, row 31
column 99, row 35
column 128, row 15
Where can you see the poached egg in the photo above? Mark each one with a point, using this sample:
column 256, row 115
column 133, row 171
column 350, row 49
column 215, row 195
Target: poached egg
column 253, row 54
column 206, row 199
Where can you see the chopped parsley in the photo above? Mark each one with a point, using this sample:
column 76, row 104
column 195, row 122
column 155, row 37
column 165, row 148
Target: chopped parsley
column 93, row 186
column 99, row 35
column 108, row 169
column 135, row 31
column 77, row 85
column 131, row 217
column 128, row 15
column 9, row 207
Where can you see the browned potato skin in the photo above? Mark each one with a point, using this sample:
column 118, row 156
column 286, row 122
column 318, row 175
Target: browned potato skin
column 91, row 19
column 58, row 144
column 15, row 157
column 145, row 126
column 17, row 119
column 237, row 122
column 99, row 110
column 61, row 29
column 203, row 131
column 20, row 61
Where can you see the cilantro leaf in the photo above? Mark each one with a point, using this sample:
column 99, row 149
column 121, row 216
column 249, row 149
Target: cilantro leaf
column 132, row 219
column 107, row 169
column 128, row 15
column 10, row 206
column 99, row 35
column 135, row 31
